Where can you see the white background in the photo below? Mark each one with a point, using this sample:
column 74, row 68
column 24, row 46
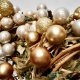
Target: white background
column 26, row 5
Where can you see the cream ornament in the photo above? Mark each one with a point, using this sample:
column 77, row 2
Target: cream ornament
column 16, row 9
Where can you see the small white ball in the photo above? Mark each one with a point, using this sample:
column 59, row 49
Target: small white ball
column 76, row 27
column 5, row 37
column 16, row 9
column 20, row 32
column 8, row 49
column 42, row 13
column 60, row 15
column 41, row 6
column 6, row 23
column 19, row 18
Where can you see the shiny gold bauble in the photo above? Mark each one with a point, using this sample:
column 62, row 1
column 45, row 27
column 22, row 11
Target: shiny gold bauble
column 40, row 57
column 56, row 34
column 6, row 8
column 31, row 37
column 43, row 24
column 6, row 70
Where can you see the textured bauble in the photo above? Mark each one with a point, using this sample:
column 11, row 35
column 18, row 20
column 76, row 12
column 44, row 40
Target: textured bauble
column 56, row 34
column 8, row 49
column 21, row 31
column 41, row 6
column 32, row 37
column 6, row 8
column 5, row 37
column 19, row 18
column 60, row 15
column 6, row 23
column 42, row 13
column 76, row 27
column 43, row 24
column 40, row 57
column 6, row 70
column 16, row 9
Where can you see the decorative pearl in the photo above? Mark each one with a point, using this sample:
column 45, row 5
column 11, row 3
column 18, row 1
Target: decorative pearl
column 40, row 57
column 41, row 6
column 76, row 27
column 43, row 24
column 21, row 31
column 6, row 23
column 60, row 15
column 32, row 37
column 19, row 18
column 56, row 34
column 16, row 9
column 6, row 70
column 8, row 49
column 5, row 37
column 42, row 13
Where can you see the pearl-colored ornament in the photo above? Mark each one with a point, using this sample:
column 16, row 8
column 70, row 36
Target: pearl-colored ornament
column 16, row 9
column 41, row 6
column 42, row 13
column 43, row 24
column 60, row 15
column 19, row 18
column 76, row 27
column 21, row 31
column 8, row 49
column 6, row 23
column 5, row 37
column 56, row 34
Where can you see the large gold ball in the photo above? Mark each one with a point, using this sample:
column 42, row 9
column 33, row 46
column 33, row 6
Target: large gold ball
column 31, row 37
column 6, row 8
column 6, row 70
column 56, row 34
column 43, row 24
column 40, row 57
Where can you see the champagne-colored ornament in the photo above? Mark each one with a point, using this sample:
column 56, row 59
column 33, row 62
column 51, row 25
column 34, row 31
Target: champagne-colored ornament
column 16, row 9
column 56, row 34
column 8, row 49
column 60, row 15
column 6, row 8
column 5, row 37
column 43, row 24
column 7, row 23
column 32, row 37
column 40, row 57
column 6, row 70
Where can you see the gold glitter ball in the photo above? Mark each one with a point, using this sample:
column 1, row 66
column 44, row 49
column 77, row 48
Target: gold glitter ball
column 6, row 8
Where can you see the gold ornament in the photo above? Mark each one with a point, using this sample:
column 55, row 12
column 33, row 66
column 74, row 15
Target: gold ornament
column 31, row 37
column 6, row 70
column 6, row 8
column 43, row 24
column 40, row 57
column 56, row 34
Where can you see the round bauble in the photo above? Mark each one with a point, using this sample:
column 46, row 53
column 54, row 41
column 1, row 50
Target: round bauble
column 41, row 6
column 6, row 8
column 40, row 57
column 56, row 34
column 60, row 15
column 16, row 9
column 42, row 13
column 5, row 37
column 43, row 24
column 19, row 18
column 6, row 23
column 6, row 70
column 8, row 49
column 32, row 37
column 76, row 27
column 20, row 32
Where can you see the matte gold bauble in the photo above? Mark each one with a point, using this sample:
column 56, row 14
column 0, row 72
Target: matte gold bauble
column 56, row 34
column 31, row 37
column 40, row 57
column 6, row 8
column 6, row 70
column 43, row 24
